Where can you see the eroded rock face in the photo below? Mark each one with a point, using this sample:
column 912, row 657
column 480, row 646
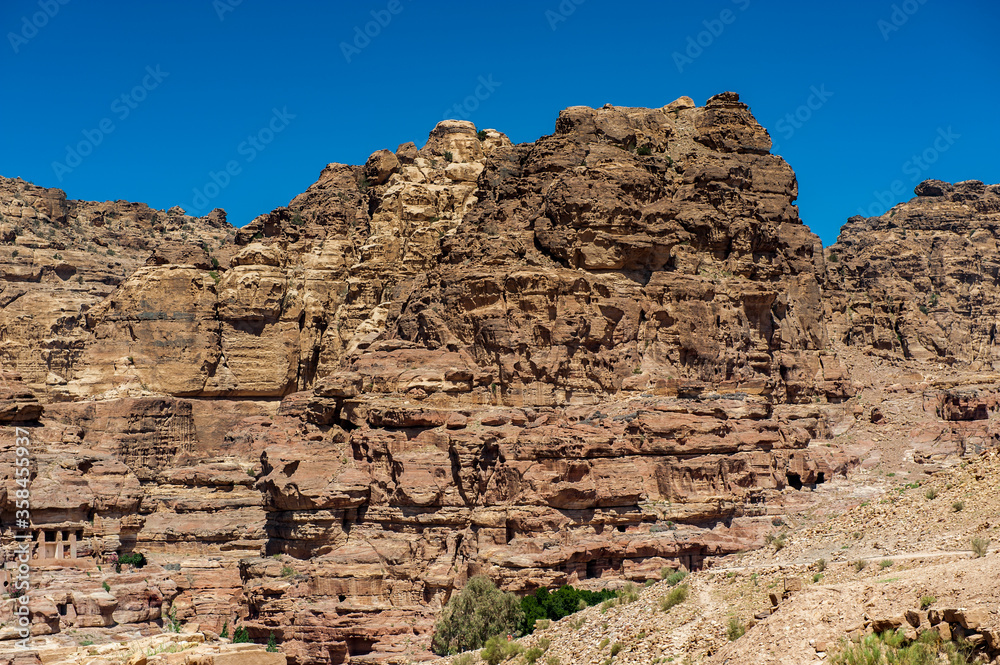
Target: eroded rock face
column 587, row 357
column 920, row 281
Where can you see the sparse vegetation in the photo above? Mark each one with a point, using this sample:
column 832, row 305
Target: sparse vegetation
column 927, row 601
column 173, row 625
column 473, row 616
column 287, row 571
column 676, row 596
column 817, row 577
column 930, row 494
column 498, row 649
column 980, row 546
column 885, row 563
column 106, row 586
column 958, row 506
column 240, row 635
column 735, row 629
column 481, row 134
column 272, row 643
column 894, row 648
column 820, row 565
column 672, row 576
column 860, row 565
column 644, row 150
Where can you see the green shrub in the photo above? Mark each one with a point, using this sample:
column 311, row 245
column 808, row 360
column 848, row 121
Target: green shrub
column 644, row 150
column 931, row 494
column 893, row 648
column 675, row 577
column 137, row 559
column 927, row 601
column 629, row 594
column 464, row 659
column 735, row 629
column 817, row 577
column 107, row 587
column 481, row 134
column 241, row 636
column 173, row 625
column 833, row 257
column 533, row 654
column 498, row 649
column 958, row 506
column 820, row 565
column 979, row 546
column 676, row 596
column 448, row 156
column 474, row 615
column 544, row 604
column 860, row 565
column 272, row 644
column 225, row 630
column 616, row 649
column 885, row 563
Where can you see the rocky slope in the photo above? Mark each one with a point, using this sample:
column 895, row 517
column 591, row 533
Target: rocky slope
column 575, row 360
column 802, row 601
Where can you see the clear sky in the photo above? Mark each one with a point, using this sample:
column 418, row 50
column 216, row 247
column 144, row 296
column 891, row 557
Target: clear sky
column 145, row 101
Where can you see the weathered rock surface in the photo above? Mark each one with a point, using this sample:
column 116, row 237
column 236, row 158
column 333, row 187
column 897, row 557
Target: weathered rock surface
column 920, row 281
column 574, row 360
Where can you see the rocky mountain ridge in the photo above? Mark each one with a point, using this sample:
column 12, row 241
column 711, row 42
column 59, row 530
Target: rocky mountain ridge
column 570, row 361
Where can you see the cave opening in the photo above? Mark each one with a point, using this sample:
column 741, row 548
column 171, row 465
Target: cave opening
column 820, row 478
column 591, row 569
column 794, row 480
column 359, row 646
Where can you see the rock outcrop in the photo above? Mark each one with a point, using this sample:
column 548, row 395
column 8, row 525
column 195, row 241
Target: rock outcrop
column 569, row 361
column 920, row 281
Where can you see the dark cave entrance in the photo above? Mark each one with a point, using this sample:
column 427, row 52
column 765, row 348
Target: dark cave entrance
column 794, row 480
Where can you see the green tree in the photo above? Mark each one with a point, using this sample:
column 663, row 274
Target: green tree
column 472, row 616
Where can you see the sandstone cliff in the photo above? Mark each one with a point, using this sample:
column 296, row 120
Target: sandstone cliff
column 573, row 360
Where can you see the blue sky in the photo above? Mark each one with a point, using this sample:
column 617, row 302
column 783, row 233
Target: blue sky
column 863, row 98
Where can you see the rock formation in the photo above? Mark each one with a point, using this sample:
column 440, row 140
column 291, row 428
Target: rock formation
column 586, row 357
